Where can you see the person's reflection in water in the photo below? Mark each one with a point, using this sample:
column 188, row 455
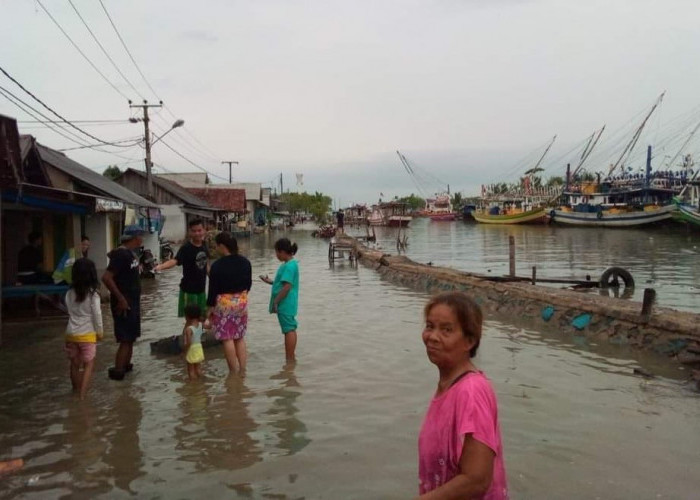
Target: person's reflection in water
column 124, row 454
column 291, row 431
column 228, row 443
column 86, row 447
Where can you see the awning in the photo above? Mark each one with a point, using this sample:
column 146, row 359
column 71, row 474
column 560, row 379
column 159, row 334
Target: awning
column 44, row 203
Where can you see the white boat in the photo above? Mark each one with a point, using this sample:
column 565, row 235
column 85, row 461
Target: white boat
column 613, row 216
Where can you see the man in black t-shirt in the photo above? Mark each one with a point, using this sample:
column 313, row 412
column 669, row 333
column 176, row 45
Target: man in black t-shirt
column 124, row 284
column 193, row 256
column 29, row 262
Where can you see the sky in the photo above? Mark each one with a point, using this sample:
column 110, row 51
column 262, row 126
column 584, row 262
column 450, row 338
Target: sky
column 470, row 91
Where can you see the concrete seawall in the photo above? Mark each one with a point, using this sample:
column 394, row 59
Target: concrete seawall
column 667, row 331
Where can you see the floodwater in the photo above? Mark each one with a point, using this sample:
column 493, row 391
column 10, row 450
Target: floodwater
column 343, row 422
column 666, row 258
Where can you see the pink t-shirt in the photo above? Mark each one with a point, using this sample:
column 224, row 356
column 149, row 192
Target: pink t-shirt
column 468, row 407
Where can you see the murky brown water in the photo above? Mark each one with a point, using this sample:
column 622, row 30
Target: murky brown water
column 343, row 423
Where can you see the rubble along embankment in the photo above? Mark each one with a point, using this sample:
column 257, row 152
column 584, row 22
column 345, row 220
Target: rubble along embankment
column 666, row 331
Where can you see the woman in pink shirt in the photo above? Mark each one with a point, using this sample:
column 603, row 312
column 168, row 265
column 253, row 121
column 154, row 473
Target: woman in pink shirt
column 459, row 448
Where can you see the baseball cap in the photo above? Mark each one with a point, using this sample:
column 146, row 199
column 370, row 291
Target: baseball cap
column 131, row 232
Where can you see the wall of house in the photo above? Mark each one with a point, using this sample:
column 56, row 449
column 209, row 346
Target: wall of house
column 175, row 227
column 139, row 185
column 97, row 228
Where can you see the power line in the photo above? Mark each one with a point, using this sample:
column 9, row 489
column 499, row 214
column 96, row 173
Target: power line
column 60, row 130
column 190, row 161
column 104, row 51
column 81, row 52
column 106, row 143
column 207, row 151
column 78, row 121
column 134, row 141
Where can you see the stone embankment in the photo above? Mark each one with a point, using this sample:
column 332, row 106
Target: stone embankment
column 666, row 331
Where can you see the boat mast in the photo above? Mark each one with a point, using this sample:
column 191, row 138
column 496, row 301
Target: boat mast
column 587, row 153
column 680, row 150
column 534, row 169
column 628, row 150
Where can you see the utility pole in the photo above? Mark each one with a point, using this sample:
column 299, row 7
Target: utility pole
column 281, row 184
column 230, row 176
column 147, row 135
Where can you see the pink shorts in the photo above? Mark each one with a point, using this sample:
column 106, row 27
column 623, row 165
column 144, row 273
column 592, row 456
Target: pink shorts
column 81, row 351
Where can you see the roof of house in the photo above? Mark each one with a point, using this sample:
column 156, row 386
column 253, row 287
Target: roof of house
column 98, row 182
column 253, row 190
column 187, row 179
column 173, row 188
column 230, row 199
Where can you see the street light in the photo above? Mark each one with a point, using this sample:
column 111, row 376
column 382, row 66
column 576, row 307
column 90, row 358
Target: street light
column 178, row 123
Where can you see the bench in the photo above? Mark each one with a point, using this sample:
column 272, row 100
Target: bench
column 38, row 292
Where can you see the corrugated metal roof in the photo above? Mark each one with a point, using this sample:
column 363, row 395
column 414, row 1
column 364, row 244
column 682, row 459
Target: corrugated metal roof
column 174, row 189
column 187, row 179
column 230, row 200
column 89, row 177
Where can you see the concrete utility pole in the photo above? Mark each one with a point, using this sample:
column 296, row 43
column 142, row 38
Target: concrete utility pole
column 230, row 176
column 281, row 184
column 147, row 135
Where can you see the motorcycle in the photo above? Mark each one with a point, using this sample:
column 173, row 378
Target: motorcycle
column 166, row 250
column 147, row 264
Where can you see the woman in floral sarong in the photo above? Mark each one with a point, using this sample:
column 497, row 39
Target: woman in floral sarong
column 230, row 280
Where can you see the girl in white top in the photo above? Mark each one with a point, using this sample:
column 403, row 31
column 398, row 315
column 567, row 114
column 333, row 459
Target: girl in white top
column 84, row 324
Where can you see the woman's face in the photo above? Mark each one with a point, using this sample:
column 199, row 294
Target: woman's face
column 444, row 340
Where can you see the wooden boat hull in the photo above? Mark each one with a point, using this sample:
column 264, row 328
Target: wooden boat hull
column 605, row 219
column 689, row 214
column 443, row 217
column 537, row 216
column 399, row 221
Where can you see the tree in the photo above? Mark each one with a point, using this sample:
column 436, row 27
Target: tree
column 317, row 204
column 413, row 202
column 555, row 181
column 112, row 172
column 457, row 201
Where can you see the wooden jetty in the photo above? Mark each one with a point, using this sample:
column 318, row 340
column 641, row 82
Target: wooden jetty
column 667, row 331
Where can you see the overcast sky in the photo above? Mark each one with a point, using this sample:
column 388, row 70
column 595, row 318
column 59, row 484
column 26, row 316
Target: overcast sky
column 464, row 88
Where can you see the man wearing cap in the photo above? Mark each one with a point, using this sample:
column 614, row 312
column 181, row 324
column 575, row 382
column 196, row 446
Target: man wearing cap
column 123, row 281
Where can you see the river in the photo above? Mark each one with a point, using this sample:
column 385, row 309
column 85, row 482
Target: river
column 343, row 422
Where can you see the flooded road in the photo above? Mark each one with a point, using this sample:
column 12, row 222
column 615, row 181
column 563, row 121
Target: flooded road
column 342, row 423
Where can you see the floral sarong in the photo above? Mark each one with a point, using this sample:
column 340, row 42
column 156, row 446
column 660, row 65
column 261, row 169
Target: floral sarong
column 230, row 318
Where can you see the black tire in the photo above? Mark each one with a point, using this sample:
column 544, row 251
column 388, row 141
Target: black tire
column 610, row 278
column 552, row 214
column 599, row 214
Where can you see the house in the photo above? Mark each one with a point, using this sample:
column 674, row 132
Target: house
column 257, row 197
column 230, row 201
column 45, row 191
column 187, row 179
column 177, row 205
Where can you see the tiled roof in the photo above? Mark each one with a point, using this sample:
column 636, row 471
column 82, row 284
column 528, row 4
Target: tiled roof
column 228, row 199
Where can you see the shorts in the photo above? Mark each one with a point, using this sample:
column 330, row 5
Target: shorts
column 288, row 323
column 81, row 351
column 191, row 298
column 195, row 354
column 127, row 326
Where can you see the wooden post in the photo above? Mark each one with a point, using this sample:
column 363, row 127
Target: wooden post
column 534, row 274
column 648, row 302
column 511, row 254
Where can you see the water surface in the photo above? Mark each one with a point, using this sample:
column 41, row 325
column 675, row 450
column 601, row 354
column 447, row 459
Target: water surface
column 342, row 423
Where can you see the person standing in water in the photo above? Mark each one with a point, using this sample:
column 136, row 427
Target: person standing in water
column 192, row 333
column 284, row 299
column 193, row 256
column 124, row 283
column 459, row 448
column 84, row 323
column 229, row 283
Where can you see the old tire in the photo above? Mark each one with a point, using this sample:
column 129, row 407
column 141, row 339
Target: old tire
column 611, row 278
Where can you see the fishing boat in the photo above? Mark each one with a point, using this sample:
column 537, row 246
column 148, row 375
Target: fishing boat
column 392, row 214
column 516, row 215
column 525, row 203
column 688, row 200
column 623, row 200
column 439, row 208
